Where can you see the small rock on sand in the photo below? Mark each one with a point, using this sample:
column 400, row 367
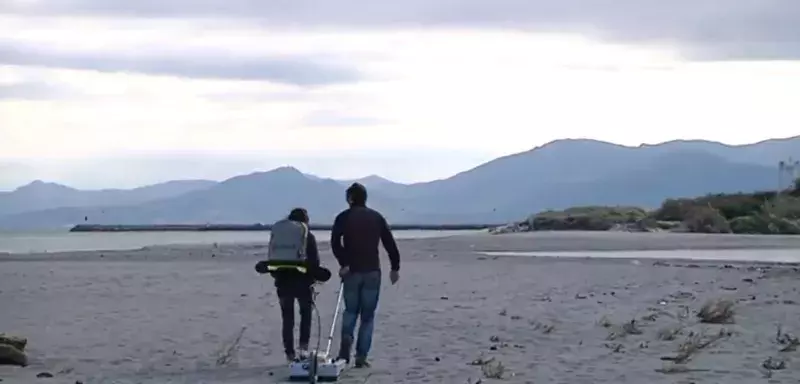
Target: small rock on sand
column 14, row 341
column 773, row 364
column 12, row 356
column 717, row 311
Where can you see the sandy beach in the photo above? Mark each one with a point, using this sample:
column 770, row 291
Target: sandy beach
column 166, row 314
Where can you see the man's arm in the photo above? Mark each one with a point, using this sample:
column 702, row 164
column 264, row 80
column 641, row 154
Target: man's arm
column 312, row 253
column 390, row 245
column 337, row 232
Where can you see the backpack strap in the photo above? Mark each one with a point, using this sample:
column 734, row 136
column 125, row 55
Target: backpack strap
column 304, row 243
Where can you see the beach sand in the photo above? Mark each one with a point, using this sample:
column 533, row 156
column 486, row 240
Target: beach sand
column 166, row 314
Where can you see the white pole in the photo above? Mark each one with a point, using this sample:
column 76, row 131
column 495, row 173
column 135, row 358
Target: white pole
column 333, row 322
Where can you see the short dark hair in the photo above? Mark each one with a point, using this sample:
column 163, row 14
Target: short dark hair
column 357, row 193
column 299, row 214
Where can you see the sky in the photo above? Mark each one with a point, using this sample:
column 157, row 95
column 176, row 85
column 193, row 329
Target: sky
column 120, row 93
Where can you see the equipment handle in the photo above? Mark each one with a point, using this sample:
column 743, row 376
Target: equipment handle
column 333, row 322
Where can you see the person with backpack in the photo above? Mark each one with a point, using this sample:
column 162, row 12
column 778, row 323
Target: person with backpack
column 355, row 238
column 293, row 261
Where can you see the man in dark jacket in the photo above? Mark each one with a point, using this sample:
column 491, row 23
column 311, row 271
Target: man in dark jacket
column 361, row 229
column 293, row 284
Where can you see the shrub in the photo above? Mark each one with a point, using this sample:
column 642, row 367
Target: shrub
column 749, row 225
column 783, row 206
column 706, row 220
column 587, row 218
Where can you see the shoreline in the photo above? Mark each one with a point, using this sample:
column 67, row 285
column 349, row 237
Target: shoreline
column 661, row 256
column 64, row 241
column 259, row 227
column 558, row 244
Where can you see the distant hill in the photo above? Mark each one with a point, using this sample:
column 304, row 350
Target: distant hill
column 767, row 152
column 40, row 195
column 260, row 197
column 371, row 182
column 379, row 184
column 553, row 176
column 679, row 174
column 575, row 172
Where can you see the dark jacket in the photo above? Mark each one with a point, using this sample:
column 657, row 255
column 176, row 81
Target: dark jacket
column 355, row 237
column 291, row 280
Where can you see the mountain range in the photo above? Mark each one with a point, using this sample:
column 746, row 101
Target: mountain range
column 556, row 175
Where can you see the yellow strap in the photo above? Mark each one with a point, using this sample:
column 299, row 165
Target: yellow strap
column 298, row 268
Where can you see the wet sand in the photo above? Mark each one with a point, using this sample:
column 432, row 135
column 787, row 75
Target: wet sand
column 165, row 314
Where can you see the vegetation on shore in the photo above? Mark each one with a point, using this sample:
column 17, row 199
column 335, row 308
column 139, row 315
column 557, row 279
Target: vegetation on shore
column 746, row 213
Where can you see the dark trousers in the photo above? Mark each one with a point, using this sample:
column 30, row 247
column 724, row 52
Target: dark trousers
column 287, row 296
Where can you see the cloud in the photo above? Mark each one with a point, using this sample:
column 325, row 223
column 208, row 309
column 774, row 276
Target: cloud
column 465, row 83
column 299, row 70
column 707, row 29
column 32, row 90
column 327, row 118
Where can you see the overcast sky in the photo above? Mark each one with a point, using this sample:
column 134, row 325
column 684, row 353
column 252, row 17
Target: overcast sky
column 119, row 93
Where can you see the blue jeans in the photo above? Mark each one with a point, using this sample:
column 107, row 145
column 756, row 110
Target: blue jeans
column 361, row 292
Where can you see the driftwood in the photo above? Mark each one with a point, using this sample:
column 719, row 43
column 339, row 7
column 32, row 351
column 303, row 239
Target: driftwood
column 693, row 345
column 789, row 341
column 227, row 353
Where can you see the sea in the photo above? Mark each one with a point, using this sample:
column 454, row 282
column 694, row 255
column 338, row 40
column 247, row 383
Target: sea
column 65, row 241
column 732, row 255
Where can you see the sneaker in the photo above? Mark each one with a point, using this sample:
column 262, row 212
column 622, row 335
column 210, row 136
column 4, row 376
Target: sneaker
column 361, row 362
column 344, row 350
column 291, row 356
column 343, row 356
column 302, row 353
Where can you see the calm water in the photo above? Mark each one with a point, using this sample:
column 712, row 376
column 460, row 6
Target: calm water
column 765, row 255
column 60, row 241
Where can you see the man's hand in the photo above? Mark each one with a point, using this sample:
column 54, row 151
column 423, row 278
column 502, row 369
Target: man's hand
column 344, row 271
column 394, row 276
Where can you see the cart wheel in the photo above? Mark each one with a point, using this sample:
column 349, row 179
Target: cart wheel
column 312, row 367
